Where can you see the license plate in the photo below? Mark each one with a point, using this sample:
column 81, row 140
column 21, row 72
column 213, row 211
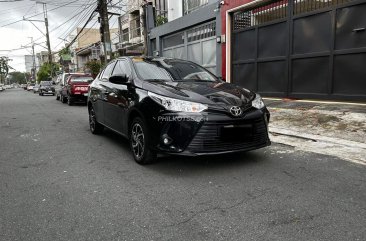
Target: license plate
column 77, row 93
column 50, row 91
column 86, row 94
column 236, row 132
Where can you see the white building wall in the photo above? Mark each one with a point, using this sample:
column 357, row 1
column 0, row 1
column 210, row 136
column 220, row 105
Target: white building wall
column 175, row 9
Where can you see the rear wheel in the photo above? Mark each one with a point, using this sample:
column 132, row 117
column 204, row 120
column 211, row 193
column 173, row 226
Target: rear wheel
column 94, row 125
column 69, row 101
column 63, row 100
column 139, row 142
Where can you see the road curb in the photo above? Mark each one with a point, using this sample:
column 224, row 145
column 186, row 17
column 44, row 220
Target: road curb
column 313, row 137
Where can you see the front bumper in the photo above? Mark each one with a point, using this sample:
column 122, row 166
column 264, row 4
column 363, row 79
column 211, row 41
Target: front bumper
column 47, row 91
column 210, row 133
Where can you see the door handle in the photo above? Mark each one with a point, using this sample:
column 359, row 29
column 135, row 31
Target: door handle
column 356, row 30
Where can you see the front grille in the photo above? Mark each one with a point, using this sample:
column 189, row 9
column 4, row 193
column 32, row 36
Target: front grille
column 208, row 138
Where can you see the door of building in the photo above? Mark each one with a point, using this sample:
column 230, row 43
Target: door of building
column 301, row 49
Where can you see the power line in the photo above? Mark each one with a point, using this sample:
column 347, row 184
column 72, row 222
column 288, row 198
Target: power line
column 37, row 14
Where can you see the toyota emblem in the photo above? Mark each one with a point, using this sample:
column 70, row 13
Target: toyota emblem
column 236, row 111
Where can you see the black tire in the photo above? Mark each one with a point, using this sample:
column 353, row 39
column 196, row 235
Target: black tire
column 63, row 100
column 139, row 143
column 95, row 127
column 69, row 101
column 39, row 94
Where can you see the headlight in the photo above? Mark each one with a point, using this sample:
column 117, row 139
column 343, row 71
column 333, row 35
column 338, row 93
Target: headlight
column 258, row 102
column 177, row 105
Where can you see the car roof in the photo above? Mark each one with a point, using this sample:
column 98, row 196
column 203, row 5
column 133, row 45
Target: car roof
column 150, row 58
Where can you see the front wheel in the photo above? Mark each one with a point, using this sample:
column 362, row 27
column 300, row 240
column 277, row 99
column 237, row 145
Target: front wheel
column 139, row 143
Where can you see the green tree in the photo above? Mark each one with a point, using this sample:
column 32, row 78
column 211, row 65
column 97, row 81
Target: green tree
column 4, row 68
column 17, row 77
column 94, row 66
column 47, row 71
column 160, row 20
column 64, row 51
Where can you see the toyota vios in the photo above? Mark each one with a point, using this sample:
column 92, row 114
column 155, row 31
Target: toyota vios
column 176, row 107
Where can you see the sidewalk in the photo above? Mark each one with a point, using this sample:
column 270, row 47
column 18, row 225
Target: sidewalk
column 331, row 128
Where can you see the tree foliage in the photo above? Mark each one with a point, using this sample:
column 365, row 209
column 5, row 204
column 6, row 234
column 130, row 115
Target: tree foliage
column 17, row 77
column 47, row 71
column 4, row 67
column 64, row 51
column 160, row 20
column 94, row 66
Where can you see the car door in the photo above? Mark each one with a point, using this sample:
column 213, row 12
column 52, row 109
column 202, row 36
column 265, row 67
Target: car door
column 118, row 99
column 99, row 92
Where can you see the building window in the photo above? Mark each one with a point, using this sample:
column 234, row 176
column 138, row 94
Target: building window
column 135, row 25
column 173, row 40
column 125, row 33
column 161, row 8
column 192, row 5
column 201, row 32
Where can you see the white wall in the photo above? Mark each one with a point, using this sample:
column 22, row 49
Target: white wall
column 175, row 9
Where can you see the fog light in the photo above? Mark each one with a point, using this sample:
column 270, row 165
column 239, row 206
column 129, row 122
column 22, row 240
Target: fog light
column 166, row 139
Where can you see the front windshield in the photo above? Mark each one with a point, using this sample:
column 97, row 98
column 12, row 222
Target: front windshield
column 43, row 83
column 172, row 70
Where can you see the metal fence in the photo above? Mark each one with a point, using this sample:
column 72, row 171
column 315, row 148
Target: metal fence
column 279, row 10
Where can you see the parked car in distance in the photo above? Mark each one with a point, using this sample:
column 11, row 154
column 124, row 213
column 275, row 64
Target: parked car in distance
column 175, row 107
column 30, row 86
column 76, row 89
column 36, row 88
column 2, row 88
column 46, row 88
column 61, row 82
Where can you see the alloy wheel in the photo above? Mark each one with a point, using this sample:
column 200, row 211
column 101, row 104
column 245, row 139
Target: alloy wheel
column 138, row 140
column 92, row 120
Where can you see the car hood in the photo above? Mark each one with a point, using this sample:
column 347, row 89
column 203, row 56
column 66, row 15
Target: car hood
column 211, row 93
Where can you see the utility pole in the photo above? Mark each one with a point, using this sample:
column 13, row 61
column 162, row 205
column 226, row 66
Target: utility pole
column 34, row 70
column 47, row 32
column 104, row 29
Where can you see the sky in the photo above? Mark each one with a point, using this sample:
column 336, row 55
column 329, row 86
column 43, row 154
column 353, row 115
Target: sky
column 63, row 17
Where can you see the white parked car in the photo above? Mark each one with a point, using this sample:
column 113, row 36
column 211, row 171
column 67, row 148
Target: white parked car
column 30, row 87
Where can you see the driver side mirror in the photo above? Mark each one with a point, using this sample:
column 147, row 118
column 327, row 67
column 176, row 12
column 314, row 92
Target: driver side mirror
column 119, row 79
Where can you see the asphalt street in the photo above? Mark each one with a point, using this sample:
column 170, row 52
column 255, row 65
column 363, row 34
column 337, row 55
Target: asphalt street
column 60, row 182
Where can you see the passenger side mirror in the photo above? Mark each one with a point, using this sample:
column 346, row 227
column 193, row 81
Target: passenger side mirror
column 119, row 79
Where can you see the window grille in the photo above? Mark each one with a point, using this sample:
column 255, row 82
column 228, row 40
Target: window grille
column 202, row 32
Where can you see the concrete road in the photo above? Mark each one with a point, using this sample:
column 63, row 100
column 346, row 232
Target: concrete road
column 60, row 182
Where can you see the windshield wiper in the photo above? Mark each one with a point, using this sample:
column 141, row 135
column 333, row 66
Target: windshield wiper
column 158, row 80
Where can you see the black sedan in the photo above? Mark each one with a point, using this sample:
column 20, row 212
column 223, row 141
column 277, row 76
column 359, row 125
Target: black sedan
column 46, row 88
column 176, row 107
